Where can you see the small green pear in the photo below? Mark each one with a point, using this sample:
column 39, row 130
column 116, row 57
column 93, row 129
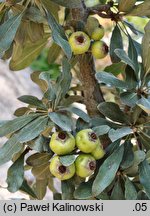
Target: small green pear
column 60, row 171
column 98, row 153
column 85, row 165
column 99, row 49
column 79, row 42
column 86, row 140
column 98, row 33
column 62, row 143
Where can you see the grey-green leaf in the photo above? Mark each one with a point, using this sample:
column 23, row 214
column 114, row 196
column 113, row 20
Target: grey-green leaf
column 101, row 130
column 116, row 42
column 112, row 111
column 110, row 79
column 15, row 174
column 128, row 157
column 62, row 120
column 67, row 160
column 133, row 55
column 59, row 35
column 67, row 188
column 107, row 171
column 32, row 100
column 79, row 113
column 130, row 191
column 129, row 98
column 27, row 189
column 144, row 104
column 32, row 130
column 124, row 57
column 146, row 49
column 64, row 80
column 16, row 124
column 144, row 175
column 9, row 149
column 139, row 156
column 119, row 133
column 84, row 191
column 7, row 32
column 117, row 192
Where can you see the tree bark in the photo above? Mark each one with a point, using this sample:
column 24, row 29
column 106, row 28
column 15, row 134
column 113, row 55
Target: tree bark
column 91, row 89
column 92, row 93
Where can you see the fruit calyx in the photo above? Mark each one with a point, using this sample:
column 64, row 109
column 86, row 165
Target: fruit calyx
column 93, row 136
column 105, row 48
column 92, row 165
column 62, row 135
column 80, row 39
column 62, row 169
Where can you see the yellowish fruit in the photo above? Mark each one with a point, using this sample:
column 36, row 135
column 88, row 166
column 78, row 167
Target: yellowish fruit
column 85, row 165
column 60, row 171
column 98, row 33
column 99, row 49
column 62, row 143
column 98, row 153
column 87, row 141
column 79, row 42
column 92, row 23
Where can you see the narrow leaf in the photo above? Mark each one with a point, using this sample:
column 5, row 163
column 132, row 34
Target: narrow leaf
column 146, row 49
column 128, row 157
column 130, row 191
column 32, row 100
column 29, row 53
column 101, row 130
column 32, row 130
column 79, row 113
column 144, row 104
column 59, row 35
column 110, row 79
column 16, row 124
column 15, row 174
column 116, row 42
column 142, row 9
column 119, row 133
column 67, row 160
column 9, row 149
column 84, row 191
column 38, row 159
column 40, row 188
column 112, row 111
column 124, row 57
column 8, row 31
column 117, row 192
column 144, row 175
column 107, row 171
column 27, row 189
column 126, row 5
column 62, row 120
column 133, row 55
column 67, row 188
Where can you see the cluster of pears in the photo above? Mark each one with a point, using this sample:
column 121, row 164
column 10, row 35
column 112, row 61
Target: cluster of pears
column 82, row 42
column 86, row 143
